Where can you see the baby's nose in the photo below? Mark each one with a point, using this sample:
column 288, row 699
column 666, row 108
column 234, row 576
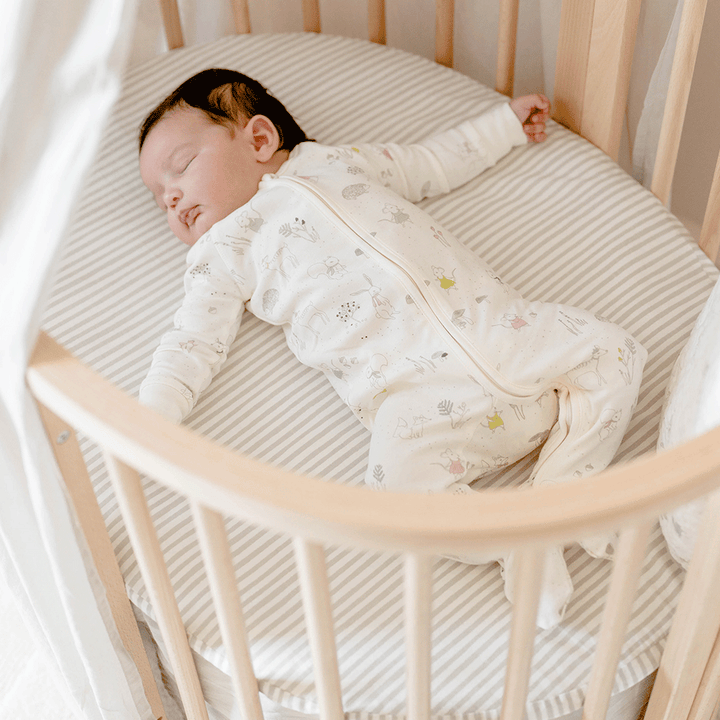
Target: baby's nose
column 172, row 197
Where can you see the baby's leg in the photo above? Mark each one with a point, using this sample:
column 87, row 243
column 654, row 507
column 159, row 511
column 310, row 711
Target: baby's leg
column 416, row 449
column 597, row 397
column 441, row 451
column 427, row 439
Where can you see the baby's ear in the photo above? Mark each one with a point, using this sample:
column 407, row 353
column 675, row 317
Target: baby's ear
column 264, row 136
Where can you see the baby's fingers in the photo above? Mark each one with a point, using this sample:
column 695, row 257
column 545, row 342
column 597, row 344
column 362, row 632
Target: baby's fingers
column 535, row 131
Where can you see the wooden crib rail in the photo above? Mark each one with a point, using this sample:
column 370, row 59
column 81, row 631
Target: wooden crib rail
column 324, row 512
column 217, row 481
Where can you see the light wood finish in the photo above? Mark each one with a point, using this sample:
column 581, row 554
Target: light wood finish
column 612, row 43
column 241, row 15
column 593, row 65
column 68, row 455
column 141, row 531
column 311, row 16
column 221, row 575
column 376, row 22
column 618, row 605
column 691, row 23
column 444, row 29
column 296, row 504
column 529, row 568
column 310, row 560
column 172, row 24
column 507, row 41
column 710, row 233
column 595, row 49
column 418, row 598
column 695, row 628
column 707, row 700
column 572, row 61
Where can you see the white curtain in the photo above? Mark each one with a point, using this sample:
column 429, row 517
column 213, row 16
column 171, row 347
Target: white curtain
column 60, row 64
column 647, row 133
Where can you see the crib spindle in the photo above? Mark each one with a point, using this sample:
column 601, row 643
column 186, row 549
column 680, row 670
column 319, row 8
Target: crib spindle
column 241, row 15
column 311, row 15
column 707, row 701
column 218, row 562
column 444, row 28
column 507, row 40
column 376, row 21
column 172, row 24
column 418, row 591
column 608, row 79
column 618, row 605
column 529, row 572
column 688, row 41
column 689, row 644
column 710, row 233
column 312, row 570
column 68, row 455
column 145, row 543
column 592, row 75
column 571, row 65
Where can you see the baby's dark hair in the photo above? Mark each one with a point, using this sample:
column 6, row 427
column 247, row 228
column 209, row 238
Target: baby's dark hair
column 226, row 97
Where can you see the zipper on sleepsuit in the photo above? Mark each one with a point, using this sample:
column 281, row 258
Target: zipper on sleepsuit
column 479, row 362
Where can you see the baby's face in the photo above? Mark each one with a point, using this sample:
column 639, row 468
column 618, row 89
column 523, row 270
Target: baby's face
column 198, row 171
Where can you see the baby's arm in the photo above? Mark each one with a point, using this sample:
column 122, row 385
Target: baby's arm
column 190, row 354
column 451, row 158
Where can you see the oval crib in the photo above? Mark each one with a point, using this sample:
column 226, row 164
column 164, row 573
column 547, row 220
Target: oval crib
column 222, row 486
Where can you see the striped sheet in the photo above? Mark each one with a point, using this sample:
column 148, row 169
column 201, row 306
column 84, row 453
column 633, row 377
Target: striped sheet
column 559, row 221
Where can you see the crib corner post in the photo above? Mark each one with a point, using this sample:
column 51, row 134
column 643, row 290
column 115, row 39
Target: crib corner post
column 68, row 456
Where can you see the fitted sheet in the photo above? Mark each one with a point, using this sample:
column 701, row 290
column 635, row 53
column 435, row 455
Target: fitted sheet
column 560, row 221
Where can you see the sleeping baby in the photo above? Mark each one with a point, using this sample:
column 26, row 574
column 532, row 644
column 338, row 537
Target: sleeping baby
column 327, row 243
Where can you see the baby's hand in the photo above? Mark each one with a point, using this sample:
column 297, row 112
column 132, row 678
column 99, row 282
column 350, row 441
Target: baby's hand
column 532, row 111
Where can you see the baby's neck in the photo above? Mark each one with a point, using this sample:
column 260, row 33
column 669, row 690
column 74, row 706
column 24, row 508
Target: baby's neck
column 277, row 160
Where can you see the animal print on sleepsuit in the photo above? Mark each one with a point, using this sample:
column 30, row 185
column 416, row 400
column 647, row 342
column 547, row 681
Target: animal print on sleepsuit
column 455, row 374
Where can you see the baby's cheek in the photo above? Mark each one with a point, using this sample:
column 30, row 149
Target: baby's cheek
column 180, row 230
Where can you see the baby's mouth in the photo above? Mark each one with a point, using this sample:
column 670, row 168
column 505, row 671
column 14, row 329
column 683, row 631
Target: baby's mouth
column 189, row 216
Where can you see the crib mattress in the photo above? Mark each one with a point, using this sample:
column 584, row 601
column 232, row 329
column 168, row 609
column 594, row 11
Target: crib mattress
column 559, row 221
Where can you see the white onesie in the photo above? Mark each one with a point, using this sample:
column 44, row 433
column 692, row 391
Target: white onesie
column 455, row 374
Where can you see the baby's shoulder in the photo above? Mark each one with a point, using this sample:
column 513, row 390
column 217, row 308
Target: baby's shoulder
column 312, row 158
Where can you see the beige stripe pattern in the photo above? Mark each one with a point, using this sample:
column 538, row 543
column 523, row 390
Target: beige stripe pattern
column 561, row 222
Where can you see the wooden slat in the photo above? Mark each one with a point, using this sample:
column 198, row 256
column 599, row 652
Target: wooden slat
column 144, row 540
column 710, row 233
column 376, row 22
column 572, row 61
column 241, row 15
column 707, row 699
column 507, row 41
column 529, row 568
column 171, row 23
column 612, row 43
column 691, row 23
column 418, row 597
column 444, row 30
column 618, row 605
column 312, row 571
column 221, row 575
column 230, row 482
column 690, row 642
column 80, row 490
column 311, row 16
